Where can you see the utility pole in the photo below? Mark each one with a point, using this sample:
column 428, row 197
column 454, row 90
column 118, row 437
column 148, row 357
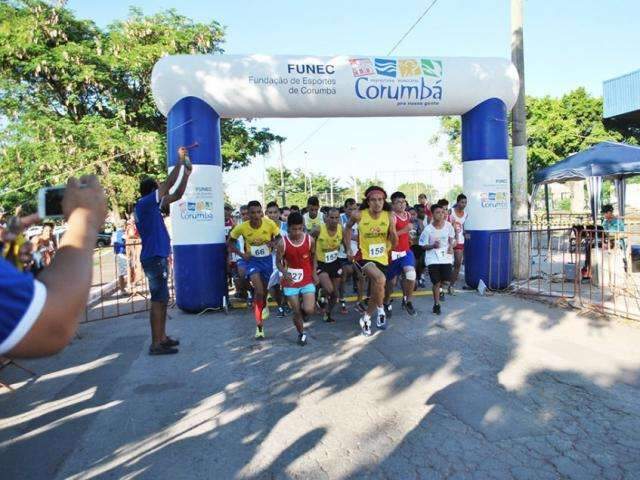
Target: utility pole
column 284, row 196
column 264, row 180
column 331, row 186
column 306, row 169
column 520, row 204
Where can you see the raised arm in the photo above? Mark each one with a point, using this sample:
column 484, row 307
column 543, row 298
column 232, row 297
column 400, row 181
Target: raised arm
column 169, row 198
column 165, row 187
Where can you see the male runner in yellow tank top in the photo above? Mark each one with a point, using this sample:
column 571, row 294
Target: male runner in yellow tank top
column 326, row 262
column 377, row 234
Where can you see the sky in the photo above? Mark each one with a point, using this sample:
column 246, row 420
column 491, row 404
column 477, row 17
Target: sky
column 568, row 44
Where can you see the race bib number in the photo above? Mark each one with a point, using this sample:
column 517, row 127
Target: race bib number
column 296, row 274
column 260, row 251
column 330, row 257
column 441, row 253
column 397, row 255
column 377, row 250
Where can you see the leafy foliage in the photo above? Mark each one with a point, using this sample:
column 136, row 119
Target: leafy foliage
column 300, row 185
column 413, row 189
column 556, row 128
column 76, row 98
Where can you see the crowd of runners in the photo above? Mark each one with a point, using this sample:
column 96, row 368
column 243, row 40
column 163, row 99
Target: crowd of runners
column 305, row 259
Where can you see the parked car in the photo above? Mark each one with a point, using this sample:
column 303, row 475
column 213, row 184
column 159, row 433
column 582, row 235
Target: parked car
column 104, row 239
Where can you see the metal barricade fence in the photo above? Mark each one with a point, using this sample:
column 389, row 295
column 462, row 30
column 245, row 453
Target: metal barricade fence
column 587, row 268
column 106, row 298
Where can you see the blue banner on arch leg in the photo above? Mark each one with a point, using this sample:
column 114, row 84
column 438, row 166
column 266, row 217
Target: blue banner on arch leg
column 200, row 276
column 487, row 256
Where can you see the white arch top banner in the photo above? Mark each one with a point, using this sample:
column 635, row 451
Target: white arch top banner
column 257, row 86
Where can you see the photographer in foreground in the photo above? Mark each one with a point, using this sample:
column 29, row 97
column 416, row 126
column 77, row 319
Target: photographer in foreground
column 39, row 316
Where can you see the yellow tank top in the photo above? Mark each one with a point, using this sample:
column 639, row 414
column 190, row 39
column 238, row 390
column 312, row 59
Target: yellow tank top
column 373, row 237
column 327, row 246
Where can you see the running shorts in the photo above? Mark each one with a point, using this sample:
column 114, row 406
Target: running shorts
column 398, row 265
column 363, row 263
column 439, row 272
column 261, row 265
column 333, row 269
column 294, row 291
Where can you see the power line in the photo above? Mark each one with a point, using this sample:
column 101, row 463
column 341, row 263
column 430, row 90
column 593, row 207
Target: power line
column 65, row 173
column 412, row 27
column 397, row 44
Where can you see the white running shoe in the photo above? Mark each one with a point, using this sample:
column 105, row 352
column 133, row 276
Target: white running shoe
column 365, row 325
column 381, row 322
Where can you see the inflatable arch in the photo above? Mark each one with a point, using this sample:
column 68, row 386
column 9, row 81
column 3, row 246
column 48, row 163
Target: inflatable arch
column 195, row 91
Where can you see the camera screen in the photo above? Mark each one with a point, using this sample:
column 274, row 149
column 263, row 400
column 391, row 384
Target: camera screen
column 53, row 202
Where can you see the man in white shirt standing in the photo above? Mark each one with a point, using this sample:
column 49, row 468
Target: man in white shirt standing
column 438, row 239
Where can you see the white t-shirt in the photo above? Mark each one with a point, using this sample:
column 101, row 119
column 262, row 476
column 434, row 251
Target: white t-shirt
column 428, row 237
column 459, row 228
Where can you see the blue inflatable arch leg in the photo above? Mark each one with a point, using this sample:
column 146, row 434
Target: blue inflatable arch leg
column 485, row 167
column 197, row 220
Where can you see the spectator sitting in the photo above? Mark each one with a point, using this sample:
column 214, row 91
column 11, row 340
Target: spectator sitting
column 614, row 226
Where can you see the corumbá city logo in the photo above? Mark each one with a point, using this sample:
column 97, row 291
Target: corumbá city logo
column 408, row 81
column 199, row 210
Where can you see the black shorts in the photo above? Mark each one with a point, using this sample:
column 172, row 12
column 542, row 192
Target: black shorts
column 343, row 262
column 333, row 269
column 362, row 263
column 439, row 272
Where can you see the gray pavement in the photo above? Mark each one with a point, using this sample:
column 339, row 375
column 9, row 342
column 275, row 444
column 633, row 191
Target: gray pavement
column 497, row 387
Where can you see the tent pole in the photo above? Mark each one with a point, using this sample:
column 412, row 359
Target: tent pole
column 546, row 206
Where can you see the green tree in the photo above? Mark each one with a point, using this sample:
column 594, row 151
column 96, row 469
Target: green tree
column 75, row 98
column 300, row 185
column 451, row 129
column 357, row 187
column 452, row 194
column 413, row 189
column 556, row 128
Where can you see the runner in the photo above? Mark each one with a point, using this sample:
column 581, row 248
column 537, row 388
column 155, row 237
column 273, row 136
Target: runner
column 284, row 215
column 327, row 265
column 348, row 269
column 403, row 262
column 243, row 288
column 426, row 208
column 418, row 220
column 457, row 218
column 438, row 239
column 228, row 226
column 294, row 260
column 312, row 219
column 375, row 231
column 444, row 203
column 260, row 236
column 273, row 213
